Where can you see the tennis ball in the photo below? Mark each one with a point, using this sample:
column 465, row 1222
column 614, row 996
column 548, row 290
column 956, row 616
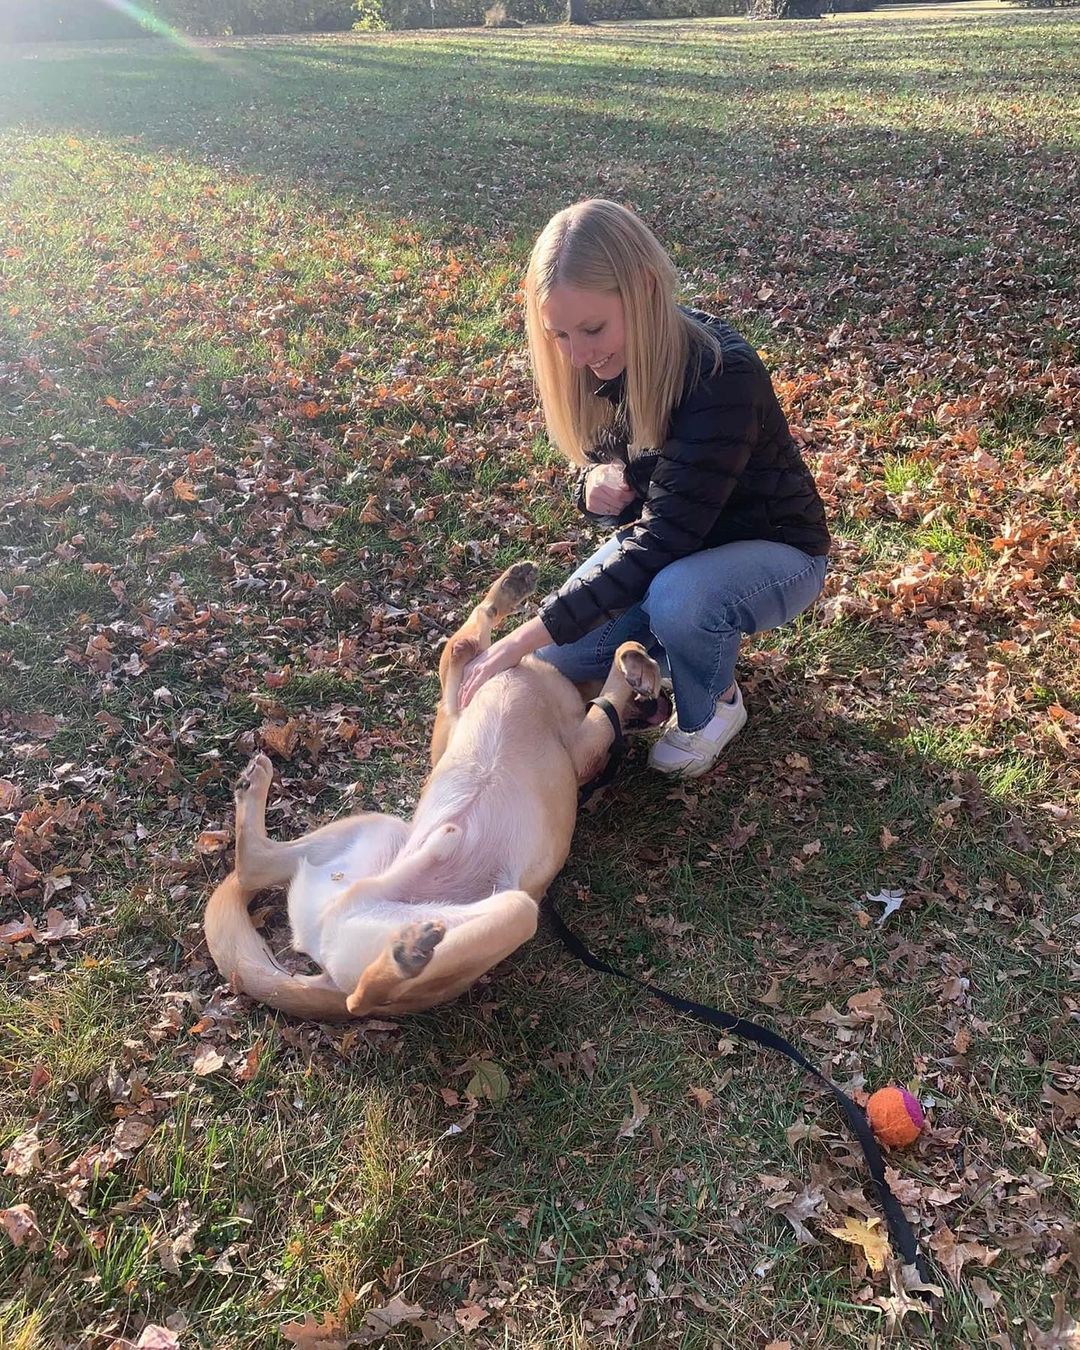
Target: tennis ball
column 895, row 1116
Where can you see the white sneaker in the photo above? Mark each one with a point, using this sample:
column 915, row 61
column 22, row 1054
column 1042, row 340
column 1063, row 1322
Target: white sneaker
column 689, row 754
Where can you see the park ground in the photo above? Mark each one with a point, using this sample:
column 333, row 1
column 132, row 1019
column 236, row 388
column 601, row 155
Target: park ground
column 267, row 431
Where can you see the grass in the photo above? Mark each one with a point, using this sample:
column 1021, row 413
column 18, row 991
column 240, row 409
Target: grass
column 266, row 433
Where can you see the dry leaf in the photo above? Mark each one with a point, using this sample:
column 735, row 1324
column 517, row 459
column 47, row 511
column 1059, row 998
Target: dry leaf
column 638, row 1115
column 469, row 1316
column 311, row 1335
column 207, row 1060
column 23, row 1155
column 132, row 1132
column 280, row 739
column 868, row 1236
column 489, row 1082
column 952, row 1255
column 21, row 1225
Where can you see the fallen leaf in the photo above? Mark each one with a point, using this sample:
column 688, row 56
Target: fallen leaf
column 378, row 1321
column 806, row 1205
column 23, row 1155
column 311, row 1335
column 1063, row 1335
column 132, row 1133
column 207, row 1060
column 469, row 1316
column 874, row 1244
column 489, row 1082
column 638, row 1115
column 280, row 739
column 21, row 1225
column 953, row 1255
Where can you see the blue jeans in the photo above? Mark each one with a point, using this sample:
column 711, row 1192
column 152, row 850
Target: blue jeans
column 694, row 615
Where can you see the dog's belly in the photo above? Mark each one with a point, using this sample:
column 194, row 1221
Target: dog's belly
column 318, row 880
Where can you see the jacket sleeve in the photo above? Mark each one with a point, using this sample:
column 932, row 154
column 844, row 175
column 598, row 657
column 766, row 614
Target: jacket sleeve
column 712, row 438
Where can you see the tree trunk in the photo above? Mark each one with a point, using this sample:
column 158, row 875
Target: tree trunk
column 577, row 11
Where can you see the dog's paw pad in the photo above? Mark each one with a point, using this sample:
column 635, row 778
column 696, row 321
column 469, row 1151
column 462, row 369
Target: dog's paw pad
column 256, row 777
column 515, row 584
column 639, row 670
column 416, row 945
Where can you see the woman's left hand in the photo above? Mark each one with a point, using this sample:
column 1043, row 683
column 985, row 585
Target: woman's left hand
column 499, row 656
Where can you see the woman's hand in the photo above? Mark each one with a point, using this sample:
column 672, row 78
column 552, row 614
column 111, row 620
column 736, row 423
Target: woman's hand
column 500, row 656
column 607, row 493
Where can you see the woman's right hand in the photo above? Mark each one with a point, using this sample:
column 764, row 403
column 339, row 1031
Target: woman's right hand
column 607, row 493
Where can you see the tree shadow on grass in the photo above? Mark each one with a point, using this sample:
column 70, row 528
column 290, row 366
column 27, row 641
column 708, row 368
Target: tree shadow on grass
column 489, row 131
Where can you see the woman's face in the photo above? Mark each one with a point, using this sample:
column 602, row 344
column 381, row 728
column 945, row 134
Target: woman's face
column 588, row 328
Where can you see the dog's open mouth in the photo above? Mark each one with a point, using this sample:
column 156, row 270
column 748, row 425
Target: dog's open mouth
column 650, row 712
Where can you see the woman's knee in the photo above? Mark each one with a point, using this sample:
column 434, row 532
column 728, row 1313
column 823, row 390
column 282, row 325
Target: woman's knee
column 675, row 606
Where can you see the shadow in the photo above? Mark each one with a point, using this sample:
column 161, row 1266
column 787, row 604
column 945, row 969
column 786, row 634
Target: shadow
column 497, row 131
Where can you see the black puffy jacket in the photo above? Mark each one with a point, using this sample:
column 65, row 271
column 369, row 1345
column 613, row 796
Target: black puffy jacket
column 728, row 470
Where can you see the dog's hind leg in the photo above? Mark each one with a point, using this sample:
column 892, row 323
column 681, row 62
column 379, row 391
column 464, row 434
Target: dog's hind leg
column 633, row 680
column 421, row 966
column 473, row 637
column 263, row 862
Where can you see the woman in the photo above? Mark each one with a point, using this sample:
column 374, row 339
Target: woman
column 720, row 531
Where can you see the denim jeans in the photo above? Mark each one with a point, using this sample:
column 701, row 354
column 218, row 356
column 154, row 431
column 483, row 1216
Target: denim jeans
column 694, row 615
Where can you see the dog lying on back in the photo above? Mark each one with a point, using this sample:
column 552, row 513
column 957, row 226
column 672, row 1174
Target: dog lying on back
column 404, row 915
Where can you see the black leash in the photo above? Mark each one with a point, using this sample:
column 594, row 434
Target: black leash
column 899, row 1227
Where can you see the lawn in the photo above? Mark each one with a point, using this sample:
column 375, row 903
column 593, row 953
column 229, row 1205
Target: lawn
column 267, row 431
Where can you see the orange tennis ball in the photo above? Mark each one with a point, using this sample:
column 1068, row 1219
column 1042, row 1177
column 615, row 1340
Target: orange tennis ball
column 895, row 1116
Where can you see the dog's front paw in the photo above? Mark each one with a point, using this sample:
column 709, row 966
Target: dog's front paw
column 256, row 778
column 514, row 585
column 415, row 945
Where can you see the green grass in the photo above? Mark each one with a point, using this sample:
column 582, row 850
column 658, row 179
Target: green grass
column 267, row 433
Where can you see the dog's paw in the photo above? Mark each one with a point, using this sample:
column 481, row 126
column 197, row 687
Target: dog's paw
column 514, row 585
column 638, row 669
column 415, row 945
column 256, row 778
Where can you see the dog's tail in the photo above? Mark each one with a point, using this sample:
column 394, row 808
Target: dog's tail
column 248, row 964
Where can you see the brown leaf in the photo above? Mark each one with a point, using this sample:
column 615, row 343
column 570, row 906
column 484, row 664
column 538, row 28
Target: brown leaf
column 157, row 1338
column 21, row 1225
column 23, row 1155
column 806, row 1205
column 280, row 739
column 469, row 1316
column 1068, row 1103
column 952, row 1255
column 1063, row 1335
column 638, row 1115
column 207, row 1060
column 132, row 1132
column 210, row 842
column 311, row 1335
column 250, row 1066
column 378, row 1321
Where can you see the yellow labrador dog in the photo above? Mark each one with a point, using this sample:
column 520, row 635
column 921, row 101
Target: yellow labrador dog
column 404, row 915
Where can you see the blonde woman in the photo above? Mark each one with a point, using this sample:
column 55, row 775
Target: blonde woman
column 719, row 529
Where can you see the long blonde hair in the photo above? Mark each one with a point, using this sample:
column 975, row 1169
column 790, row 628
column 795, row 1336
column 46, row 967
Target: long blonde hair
column 598, row 245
